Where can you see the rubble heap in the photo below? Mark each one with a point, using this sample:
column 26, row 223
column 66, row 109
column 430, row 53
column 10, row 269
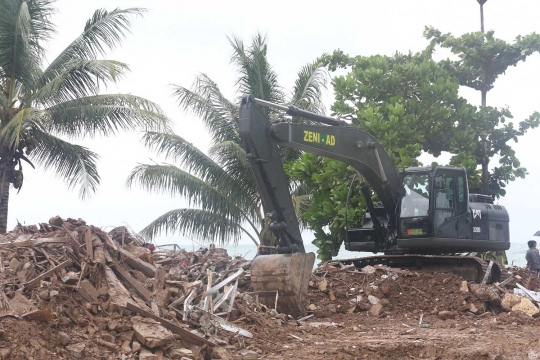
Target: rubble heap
column 71, row 290
column 381, row 290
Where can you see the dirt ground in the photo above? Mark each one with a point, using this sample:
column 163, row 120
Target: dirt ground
column 362, row 336
column 343, row 327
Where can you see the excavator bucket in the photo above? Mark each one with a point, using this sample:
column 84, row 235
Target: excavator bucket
column 288, row 275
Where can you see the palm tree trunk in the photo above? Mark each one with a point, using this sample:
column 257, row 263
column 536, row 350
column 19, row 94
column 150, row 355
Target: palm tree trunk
column 4, row 196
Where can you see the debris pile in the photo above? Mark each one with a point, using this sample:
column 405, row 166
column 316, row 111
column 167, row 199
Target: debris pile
column 71, row 290
column 380, row 291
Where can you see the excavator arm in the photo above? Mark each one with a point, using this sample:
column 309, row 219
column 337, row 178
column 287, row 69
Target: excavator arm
column 285, row 276
column 336, row 140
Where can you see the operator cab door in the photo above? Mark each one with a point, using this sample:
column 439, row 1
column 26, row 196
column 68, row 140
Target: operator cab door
column 450, row 201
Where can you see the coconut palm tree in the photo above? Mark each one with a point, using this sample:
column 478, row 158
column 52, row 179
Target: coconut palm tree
column 224, row 202
column 41, row 106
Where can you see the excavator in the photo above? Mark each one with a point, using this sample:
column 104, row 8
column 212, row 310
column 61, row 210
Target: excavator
column 424, row 219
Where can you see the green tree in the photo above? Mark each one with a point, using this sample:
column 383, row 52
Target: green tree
column 224, row 200
column 482, row 59
column 410, row 103
column 40, row 105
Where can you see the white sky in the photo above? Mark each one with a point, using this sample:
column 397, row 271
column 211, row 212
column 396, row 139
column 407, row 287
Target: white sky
column 178, row 39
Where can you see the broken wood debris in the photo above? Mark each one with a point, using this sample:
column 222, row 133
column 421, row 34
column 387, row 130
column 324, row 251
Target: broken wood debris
column 92, row 277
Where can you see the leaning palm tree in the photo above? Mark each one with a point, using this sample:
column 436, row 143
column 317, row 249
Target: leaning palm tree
column 224, row 202
column 41, row 106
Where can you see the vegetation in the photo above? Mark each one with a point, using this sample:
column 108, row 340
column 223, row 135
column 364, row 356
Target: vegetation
column 41, row 105
column 223, row 197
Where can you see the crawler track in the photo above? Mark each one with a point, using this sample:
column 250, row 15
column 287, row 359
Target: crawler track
column 468, row 267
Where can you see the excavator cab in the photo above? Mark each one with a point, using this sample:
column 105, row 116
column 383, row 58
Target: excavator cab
column 435, row 214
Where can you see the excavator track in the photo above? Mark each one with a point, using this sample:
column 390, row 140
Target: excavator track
column 468, row 267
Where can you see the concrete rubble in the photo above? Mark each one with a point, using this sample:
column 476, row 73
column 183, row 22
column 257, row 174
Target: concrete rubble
column 92, row 294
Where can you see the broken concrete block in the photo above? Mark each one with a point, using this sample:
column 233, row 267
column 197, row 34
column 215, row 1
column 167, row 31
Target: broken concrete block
column 71, row 278
column 444, row 315
column 482, row 294
column 181, row 354
column 76, row 350
column 373, row 299
column 135, row 347
column 152, row 333
column 127, row 335
column 473, row 308
column 126, row 347
column 5, row 353
column 510, row 300
column 526, row 306
column 90, row 290
column 464, row 288
column 368, row 270
column 331, row 295
column 14, row 264
column 20, row 304
column 147, row 355
column 64, row 339
column 249, row 354
column 376, row 309
column 473, row 287
column 312, row 307
column 323, row 284
column 56, row 221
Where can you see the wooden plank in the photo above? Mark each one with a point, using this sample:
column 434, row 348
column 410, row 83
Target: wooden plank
column 188, row 335
column 159, row 282
column 117, row 291
column 136, row 263
column 74, row 243
column 99, row 255
column 36, row 242
column 110, row 243
column 141, row 290
column 88, row 240
column 48, row 273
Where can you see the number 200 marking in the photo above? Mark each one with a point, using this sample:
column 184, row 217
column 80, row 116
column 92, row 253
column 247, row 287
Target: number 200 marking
column 476, row 229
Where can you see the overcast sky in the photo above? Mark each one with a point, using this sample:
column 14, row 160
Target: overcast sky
column 176, row 40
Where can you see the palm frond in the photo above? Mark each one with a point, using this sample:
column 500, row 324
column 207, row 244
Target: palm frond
column 206, row 101
column 73, row 163
column 175, row 181
column 202, row 225
column 105, row 30
column 12, row 131
column 308, row 88
column 193, row 161
column 23, row 24
column 3, row 101
column 255, row 73
column 105, row 115
column 232, row 158
column 80, row 78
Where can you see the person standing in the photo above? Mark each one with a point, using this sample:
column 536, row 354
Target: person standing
column 533, row 257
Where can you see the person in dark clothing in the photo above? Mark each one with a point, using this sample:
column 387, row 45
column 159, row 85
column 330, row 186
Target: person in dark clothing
column 533, row 257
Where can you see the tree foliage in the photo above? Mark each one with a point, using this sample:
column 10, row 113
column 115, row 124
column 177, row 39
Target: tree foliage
column 482, row 58
column 224, row 201
column 41, row 105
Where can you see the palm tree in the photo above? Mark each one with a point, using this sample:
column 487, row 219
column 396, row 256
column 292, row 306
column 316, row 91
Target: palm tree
column 40, row 105
column 220, row 186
